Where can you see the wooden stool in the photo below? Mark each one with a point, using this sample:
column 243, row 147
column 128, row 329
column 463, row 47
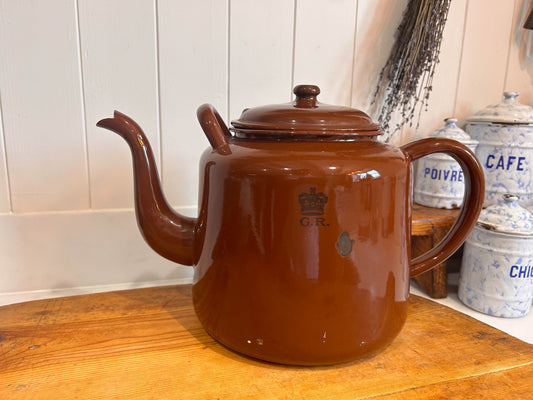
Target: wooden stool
column 428, row 228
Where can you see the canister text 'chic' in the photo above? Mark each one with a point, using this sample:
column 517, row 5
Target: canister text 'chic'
column 521, row 271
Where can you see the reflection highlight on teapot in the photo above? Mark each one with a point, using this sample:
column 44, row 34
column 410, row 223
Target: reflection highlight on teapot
column 360, row 175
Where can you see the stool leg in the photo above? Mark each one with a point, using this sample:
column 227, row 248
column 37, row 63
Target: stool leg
column 435, row 281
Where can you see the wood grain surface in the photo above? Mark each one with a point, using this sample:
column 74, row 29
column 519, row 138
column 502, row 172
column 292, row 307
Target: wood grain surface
column 148, row 344
column 427, row 219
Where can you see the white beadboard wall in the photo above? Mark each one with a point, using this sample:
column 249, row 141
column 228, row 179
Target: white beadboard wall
column 66, row 194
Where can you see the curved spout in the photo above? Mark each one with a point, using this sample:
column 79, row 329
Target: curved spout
column 168, row 233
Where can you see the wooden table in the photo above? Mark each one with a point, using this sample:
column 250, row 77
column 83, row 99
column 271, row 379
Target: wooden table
column 148, row 344
column 428, row 228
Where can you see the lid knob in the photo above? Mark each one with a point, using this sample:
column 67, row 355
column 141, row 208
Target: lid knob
column 510, row 96
column 306, row 95
column 510, row 198
column 450, row 122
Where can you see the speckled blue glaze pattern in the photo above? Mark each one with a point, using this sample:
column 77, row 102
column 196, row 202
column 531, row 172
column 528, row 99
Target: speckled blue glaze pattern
column 439, row 178
column 505, row 135
column 506, row 154
column 507, row 216
column 497, row 268
column 509, row 111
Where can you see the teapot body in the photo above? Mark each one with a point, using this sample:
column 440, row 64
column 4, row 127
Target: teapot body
column 305, row 255
column 301, row 247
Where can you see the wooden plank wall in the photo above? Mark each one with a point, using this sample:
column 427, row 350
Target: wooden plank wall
column 65, row 64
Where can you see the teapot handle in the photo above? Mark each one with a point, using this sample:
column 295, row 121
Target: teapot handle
column 472, row 204
column 214, row 128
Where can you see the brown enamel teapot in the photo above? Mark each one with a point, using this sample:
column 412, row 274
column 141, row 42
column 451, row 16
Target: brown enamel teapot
column 301, row 247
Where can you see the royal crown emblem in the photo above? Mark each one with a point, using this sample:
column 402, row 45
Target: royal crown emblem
column 312, row 203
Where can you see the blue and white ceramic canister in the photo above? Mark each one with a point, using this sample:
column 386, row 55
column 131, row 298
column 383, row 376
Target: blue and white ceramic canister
column 505, row 149
column 439, row 179
column 497, row 268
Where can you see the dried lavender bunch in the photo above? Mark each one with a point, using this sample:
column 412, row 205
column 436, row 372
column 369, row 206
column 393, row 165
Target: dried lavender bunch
column 406, row 79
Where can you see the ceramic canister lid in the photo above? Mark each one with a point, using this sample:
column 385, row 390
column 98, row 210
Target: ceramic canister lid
column 508, row 111
column 305, row 116
column 451, row 131
column 507, row 217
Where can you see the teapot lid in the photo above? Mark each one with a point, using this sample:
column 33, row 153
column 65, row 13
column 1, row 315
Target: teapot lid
column 507, row 217
column 304, row 116
column 451, row 131
column 508, row 111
